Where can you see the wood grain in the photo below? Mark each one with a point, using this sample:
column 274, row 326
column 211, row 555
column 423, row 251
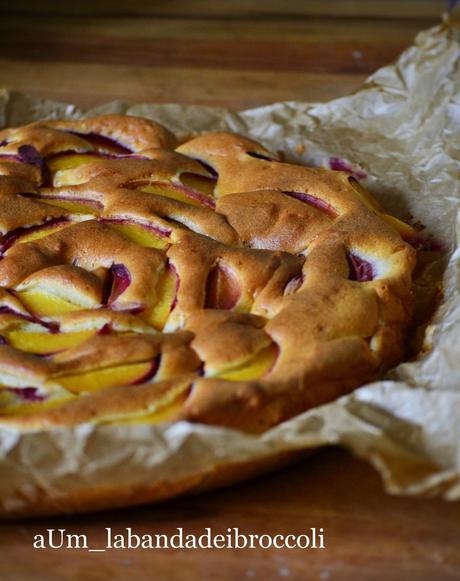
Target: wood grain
column 235, row 89
column 369, row 535
column 239, row 63
column 244, row 54
column 236, row 9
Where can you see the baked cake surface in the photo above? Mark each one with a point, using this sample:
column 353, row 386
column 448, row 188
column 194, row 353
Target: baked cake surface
column 143, row 280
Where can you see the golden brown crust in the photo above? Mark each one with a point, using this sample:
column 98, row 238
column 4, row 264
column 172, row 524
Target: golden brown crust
column 212, row 283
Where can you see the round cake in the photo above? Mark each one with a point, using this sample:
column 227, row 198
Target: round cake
column 147, row 280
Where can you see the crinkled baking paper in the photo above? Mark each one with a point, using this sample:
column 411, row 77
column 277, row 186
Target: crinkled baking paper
column 402, row 129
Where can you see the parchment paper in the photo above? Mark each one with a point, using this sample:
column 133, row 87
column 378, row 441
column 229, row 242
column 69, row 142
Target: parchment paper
column 401, row 129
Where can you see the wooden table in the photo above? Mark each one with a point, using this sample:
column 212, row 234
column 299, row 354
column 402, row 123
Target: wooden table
column 368, row 534
column 239, row 54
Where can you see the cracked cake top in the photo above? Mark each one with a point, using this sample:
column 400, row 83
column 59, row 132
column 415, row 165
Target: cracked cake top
column 146, row 280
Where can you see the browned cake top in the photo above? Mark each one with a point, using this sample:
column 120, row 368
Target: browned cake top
column 145, row 281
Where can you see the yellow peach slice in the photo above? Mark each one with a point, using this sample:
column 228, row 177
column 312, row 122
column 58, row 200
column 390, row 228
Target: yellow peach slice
column 197, row 182
column 254, row 368
column 60, row 289
column 366, row 197
column 166, row 292
column 12, row 406
column 223, row 289
column 245, row 302
column 70, row 205
column 65, row 168
column 69, row 161
column 43, row 343
column 44, row 304
column 162, row 414
column 41, row 232
column 90, row 381
column 167, row 408
column 405, row 230
column 169, row 191
column 140, row 235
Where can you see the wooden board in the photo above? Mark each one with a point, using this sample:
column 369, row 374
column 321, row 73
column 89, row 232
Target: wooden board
column 240, row 54
column 235, row 9
column 240, row 62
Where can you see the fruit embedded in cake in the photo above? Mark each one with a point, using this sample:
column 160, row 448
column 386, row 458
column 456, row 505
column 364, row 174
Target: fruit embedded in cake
column 360, row 269
column 30, row 233
column 142, row 281
column 103, row 142
column 143, row 234
column 56, row 290
column 89, row 381
column 223, row 290
column 166, row 292
column 255, row 367
column 120, row 279
column 65, row 161
column 45, row 343
column 179, row 193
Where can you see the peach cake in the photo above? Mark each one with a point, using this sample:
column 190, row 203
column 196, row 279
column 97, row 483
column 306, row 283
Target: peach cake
column 147, row 280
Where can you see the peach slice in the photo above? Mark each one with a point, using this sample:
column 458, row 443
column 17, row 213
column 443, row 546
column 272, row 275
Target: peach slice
column 166, row 291
column 223, row 289
column 254, row 368
column 74, row 206
column 29, row 394
column 179, row 193
column 44, row 343
column 366, row 197
column 65, row 168
column 198, row 182
column 69, row 161
column 102, row 142
column 121, row 279
column 94, row 380
column 163, row 413
column 164, row 409
column 405, row 230
column 43, row 304
column 361, row 270
column 37, row 233
column 20, row 401
column 142, row 235
column 59, row 289
column 415, row 238
column 29, row 233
